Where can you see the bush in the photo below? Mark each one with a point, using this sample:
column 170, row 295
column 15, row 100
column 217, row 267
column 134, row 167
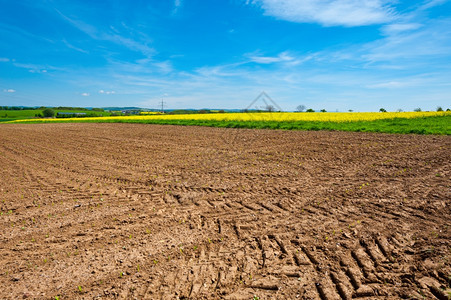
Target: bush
column 48, row 113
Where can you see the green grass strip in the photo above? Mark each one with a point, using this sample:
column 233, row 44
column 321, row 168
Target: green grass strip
column 426, row 125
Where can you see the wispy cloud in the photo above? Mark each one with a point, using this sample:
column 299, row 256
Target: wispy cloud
column 400, row 27
column 389, row 85
column 113, row 36
column 405, row 42
column 9, row 91
column 36, row 68
column 85, row 94
column 282, row 57
column 177, row 5
column 286, row 58
column 432, row 3
column 4, row 59
column 329, row 12
column 74, row 48
column 107, row 92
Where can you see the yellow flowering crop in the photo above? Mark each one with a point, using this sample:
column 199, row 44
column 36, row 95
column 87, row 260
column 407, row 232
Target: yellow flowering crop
column 265, row 116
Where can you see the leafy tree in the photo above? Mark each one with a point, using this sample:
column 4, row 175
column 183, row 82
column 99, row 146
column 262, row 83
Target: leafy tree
column 417, row 109
column 48, row 113
column 310, row 110
column 323, row 110
column 382, row 110
column 439, row 108
column 300, row 108
column 270, row 108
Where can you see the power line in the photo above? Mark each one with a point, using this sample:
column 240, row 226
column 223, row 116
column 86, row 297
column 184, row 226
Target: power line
column 162, row 103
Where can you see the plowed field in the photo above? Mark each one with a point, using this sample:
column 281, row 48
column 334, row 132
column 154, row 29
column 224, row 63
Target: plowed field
column 130, row 211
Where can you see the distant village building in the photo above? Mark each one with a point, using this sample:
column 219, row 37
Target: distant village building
column 131, row 111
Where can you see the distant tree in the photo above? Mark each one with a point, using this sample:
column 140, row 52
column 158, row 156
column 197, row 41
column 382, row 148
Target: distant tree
column 323, row 110
column 350, row 110
column 439, row 108
column 399, row 110
column 448, row 109
column 417, row 109
column 48, row 113
column 310, row 110
column 221, row 111
column 300, row 108
column 382, row 110
column 270, row 108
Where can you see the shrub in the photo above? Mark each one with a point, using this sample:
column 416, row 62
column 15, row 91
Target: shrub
column 48, row 113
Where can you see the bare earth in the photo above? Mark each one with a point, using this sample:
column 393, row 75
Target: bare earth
column 164, row 212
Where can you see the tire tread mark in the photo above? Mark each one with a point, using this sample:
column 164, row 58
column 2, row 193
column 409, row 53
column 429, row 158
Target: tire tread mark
column 338, row 286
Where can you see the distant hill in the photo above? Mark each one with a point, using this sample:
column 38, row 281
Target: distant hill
column 122, row 108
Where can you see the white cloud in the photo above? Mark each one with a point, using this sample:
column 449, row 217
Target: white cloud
column 73, row 47
column 9, row 91
column 106, row 92
column 4, row 59
column 329, row 12
column 400, row 27
column 429, row 41
column 282, row 57
column 102, row 35
column 286, row 58
column 177, row 5
column 37, row 69
column 432, row 3
column 388, row 85
column 85, row 94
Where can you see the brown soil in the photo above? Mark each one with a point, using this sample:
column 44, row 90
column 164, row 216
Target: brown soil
column 164, row 212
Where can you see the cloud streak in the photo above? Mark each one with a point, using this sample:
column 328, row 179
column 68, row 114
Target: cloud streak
column 347, row 13
column 131, row 44
column 106, row 92
column 282, row 57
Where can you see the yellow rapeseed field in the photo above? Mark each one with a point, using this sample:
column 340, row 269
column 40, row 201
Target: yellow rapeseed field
column 265, row 116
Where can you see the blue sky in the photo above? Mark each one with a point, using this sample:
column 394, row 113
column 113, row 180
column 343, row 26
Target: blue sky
column 331, row 54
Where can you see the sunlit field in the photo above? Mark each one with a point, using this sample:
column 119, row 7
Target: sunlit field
column 262, row 116
column 389, row 122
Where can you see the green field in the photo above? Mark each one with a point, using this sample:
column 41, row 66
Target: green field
column 440, row 125
column 11, row 115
